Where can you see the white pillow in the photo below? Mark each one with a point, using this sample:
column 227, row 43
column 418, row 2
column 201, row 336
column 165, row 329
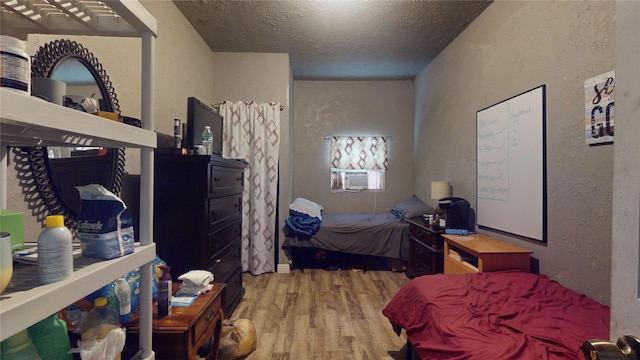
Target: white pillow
column 308, row 207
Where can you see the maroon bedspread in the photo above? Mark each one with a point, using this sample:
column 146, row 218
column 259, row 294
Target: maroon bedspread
column 492, row 316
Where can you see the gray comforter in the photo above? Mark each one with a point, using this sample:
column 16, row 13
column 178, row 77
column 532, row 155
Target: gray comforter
column 366, row 234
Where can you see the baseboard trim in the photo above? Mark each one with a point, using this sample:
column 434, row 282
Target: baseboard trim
column 284, row 268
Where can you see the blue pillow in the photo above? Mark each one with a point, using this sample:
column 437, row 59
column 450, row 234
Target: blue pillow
column 411, row 207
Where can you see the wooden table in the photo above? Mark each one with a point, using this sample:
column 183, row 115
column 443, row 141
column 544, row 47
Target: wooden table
column 189, row 333
column 480, row 253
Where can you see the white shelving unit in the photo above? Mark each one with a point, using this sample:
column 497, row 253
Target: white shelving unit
column 28, row 121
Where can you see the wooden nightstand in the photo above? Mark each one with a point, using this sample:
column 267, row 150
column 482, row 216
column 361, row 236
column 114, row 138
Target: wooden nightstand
column 191, row 332
column 426, row 249
column 480, row 253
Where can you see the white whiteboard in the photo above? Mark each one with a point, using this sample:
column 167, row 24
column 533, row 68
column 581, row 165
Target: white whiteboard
column 511, row 166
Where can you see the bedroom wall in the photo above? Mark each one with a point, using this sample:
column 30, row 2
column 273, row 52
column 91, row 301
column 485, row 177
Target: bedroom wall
column 182, row 61
column 325, row 108
column 512, row 47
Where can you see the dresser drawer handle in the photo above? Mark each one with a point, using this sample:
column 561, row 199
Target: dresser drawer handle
column 216, row 179
column 210, row 316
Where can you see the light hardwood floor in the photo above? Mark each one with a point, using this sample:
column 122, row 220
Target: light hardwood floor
column 321, row 314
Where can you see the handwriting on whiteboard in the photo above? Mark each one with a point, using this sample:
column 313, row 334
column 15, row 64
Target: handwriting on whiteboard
column 496, row 141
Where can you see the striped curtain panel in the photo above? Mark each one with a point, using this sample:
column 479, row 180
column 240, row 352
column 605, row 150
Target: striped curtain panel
column 358, row 153
column 252, row 132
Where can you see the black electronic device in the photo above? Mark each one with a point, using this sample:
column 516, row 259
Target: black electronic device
column 199, row 115
column 457, row 213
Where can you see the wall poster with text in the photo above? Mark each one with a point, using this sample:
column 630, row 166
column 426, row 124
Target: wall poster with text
column 598, row 108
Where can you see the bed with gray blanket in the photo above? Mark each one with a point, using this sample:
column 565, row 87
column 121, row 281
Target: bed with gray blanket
column 364, row 238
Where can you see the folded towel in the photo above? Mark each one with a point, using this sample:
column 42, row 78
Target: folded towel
column 196, row 277
column 195, row 282
column 186, row 290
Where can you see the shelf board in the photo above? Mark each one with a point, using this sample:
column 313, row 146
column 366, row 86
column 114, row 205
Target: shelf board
column 77, row 17
column 26, row 302
column 31, row 121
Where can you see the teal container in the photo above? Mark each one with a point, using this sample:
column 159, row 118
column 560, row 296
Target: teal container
column 51, row 338
column 18, row 347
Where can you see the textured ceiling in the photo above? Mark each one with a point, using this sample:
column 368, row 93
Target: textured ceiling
column 331, row 40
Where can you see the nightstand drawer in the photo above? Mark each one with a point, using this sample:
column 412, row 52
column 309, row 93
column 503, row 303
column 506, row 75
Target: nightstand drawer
column 427, row 237
column 424, row 259
column 206, row 322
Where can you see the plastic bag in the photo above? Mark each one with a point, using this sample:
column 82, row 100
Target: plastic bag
column 108, row 348
column 105, row 225
column 237, row 339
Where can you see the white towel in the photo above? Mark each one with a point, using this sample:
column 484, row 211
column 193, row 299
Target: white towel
column 195, row 282
column 186, row 290
column 197, row 277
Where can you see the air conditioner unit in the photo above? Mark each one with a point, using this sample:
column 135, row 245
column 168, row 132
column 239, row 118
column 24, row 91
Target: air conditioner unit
column 356, row 181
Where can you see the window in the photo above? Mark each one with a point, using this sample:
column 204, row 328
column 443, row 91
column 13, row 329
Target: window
column 358, row 162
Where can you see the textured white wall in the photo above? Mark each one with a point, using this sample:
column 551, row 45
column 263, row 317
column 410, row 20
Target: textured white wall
column 183, row 60
column 325, row 108
column 512, row 47
column 625, row 278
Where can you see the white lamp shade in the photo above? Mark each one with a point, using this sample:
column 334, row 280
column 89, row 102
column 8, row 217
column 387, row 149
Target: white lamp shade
column 440, row 189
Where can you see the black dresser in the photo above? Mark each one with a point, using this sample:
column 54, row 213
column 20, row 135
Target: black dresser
column 198, row 218
column 426, row 246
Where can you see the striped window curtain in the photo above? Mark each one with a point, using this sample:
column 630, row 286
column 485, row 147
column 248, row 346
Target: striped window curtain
column 358, row 153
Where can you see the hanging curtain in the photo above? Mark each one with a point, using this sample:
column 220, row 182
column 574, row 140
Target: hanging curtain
column 252, row 132
column 358, row 152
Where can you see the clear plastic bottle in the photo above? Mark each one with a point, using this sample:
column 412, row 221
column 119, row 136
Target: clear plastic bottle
column 164, row 292
column 55, row 251
column 207, row 140
column 97, row 326
column 123, row 293
column 99, row 321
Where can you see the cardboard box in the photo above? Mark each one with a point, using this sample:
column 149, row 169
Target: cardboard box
column 13, row 223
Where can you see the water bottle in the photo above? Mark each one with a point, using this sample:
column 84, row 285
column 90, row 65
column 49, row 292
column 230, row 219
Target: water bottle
column 99, row 321
column 207, row 140
column 55, row 251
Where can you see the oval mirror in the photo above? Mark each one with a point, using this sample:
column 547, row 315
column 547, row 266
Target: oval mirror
column 58, row 170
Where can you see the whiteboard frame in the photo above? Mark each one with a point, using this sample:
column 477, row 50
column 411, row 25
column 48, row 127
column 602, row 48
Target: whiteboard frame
column 538, row 94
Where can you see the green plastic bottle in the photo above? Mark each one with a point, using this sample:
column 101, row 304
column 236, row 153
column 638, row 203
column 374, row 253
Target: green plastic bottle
column 18, row 347
column 51, row 339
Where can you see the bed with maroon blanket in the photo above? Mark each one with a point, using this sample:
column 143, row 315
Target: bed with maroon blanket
column 499, row 315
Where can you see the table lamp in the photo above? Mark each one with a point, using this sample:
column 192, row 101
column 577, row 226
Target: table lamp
column 440, row 189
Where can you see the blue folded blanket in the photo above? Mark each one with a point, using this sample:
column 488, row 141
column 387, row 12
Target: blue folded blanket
column 302, row 224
